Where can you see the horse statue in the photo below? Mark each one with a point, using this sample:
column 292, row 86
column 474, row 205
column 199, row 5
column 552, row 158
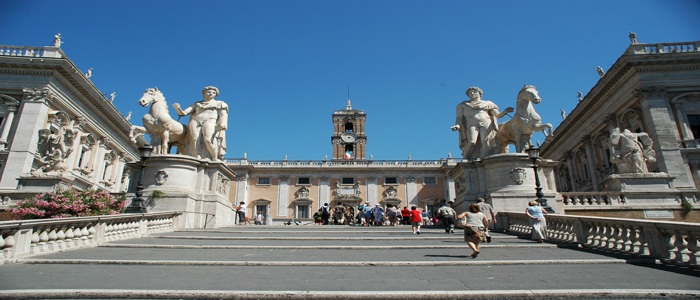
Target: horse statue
column 519, row 129
column 164, row 130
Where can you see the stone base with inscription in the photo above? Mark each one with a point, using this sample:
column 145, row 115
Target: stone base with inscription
column 643, row 188
column 506, row 181
column 199, row 188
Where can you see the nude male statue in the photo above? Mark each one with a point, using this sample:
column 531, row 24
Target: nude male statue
column 477, row 122
column 207, row 125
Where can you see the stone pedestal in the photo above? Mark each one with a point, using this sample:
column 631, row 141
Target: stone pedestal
column 643, row 188
column 200, row 188
column 506, row 181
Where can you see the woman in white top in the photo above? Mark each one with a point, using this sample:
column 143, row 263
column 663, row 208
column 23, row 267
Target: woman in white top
column 476, row 224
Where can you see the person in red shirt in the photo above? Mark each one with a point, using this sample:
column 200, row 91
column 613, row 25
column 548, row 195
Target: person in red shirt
column 416, row 219
column 406, row 216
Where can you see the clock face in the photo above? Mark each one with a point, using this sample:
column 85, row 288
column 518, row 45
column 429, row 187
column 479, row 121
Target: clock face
column 348, row 137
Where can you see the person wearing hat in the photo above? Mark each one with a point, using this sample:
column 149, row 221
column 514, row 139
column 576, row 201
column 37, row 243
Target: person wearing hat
column 368, row 214
column 378, row 213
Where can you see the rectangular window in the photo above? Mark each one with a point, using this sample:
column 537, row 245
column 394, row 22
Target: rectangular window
column 303, row 212
column 430, row 180
column 391, row 180
column 263, row 180
column 348, row 180
column 694, row 124
column 303, row 180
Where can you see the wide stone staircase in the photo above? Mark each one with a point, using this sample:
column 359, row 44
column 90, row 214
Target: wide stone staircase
column 340, row 262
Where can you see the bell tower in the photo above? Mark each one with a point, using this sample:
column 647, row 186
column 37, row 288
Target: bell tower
column 349, row 140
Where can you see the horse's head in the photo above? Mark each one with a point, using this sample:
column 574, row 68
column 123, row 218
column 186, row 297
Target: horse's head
column 151, row 95
column 529, row 93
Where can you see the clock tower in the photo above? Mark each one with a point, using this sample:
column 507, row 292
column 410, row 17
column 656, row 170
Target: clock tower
column 349, row 140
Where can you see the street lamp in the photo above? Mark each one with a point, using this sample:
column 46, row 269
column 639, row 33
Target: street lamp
column 137, row 204
column 534, row 154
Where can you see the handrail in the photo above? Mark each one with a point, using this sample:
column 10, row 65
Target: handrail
column 25, row 238
column 673, row 243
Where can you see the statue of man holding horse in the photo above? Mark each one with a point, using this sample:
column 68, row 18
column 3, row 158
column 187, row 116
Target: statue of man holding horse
column 477, row 122
column 207, row 125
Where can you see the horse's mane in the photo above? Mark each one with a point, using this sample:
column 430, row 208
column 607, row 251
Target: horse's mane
column 525, row 88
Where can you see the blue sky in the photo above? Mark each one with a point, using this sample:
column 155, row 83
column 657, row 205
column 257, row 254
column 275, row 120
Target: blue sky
column 284, row 66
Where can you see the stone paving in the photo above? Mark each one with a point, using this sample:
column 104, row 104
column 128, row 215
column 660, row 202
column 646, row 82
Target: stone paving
column 340, row 262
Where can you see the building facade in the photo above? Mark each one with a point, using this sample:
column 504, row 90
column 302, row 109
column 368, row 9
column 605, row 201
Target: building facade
column 57, row 127
column 650, row 97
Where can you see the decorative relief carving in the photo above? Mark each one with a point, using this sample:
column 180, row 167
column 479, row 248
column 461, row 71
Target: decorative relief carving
column 38, row 95
column 222, row 184
column 161, row 176
column 390, row 192
column 518, row 175
column 649, row 91
column 55, row 144
column 302, row 193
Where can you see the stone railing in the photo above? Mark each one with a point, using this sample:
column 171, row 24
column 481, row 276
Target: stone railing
column 612, row 199
column 674, row 243
column 663, row 48
column 321, row 163
column 28, row 51
column 33, row 237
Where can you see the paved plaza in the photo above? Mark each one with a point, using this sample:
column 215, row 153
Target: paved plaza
column 340, row 262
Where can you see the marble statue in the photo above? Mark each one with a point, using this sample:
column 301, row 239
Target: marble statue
column 112, row 96
column 128, row 116
column 164, row 130
column 631, row 151
column 633, row 38
column 53, row 149
column 563, row 114
column 579, row 95
column 57, row 40
column 207, row 125
column 600, row 71
column 477, row 123
column 89, row 73
column 526, row 120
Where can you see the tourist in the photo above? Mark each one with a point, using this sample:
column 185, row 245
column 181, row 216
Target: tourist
column 378, row 213
column 406, row 215
column 240, row 210
column 368, row 214
column 474, row 230
column 537, row 220
column 259, row 218
column 436, row 216
column 490, row 214
column 416, row 219
column 447, row 216
column 339, row 214
column 207, row 125
column 477, row 123
column 325, row 213
column 318, row 219
column 425, row 217
column 394, row 214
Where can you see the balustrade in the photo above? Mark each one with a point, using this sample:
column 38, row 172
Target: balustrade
column 28, row 51
column 674, row 243
column 33, row 237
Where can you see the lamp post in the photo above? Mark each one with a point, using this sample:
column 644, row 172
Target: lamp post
column 137, row 204
column 534, row 154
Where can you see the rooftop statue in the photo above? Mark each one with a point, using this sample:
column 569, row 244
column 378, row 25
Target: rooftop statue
column 600, row 71
column 164, row 130
column 526, row 120
column 57, row 40
column 477, row 123
column 207, row 125
column 631, row 151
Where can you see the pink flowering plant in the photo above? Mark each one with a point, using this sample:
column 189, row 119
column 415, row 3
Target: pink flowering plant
column 68, row 202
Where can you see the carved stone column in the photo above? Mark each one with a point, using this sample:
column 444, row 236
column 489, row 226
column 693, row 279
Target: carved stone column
column 283, row 196
column 661, row 126
column 591, row 159
column 34, row 113
column 12, row 106
column 324, row 192
column 572, row 171
column 411, row 191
